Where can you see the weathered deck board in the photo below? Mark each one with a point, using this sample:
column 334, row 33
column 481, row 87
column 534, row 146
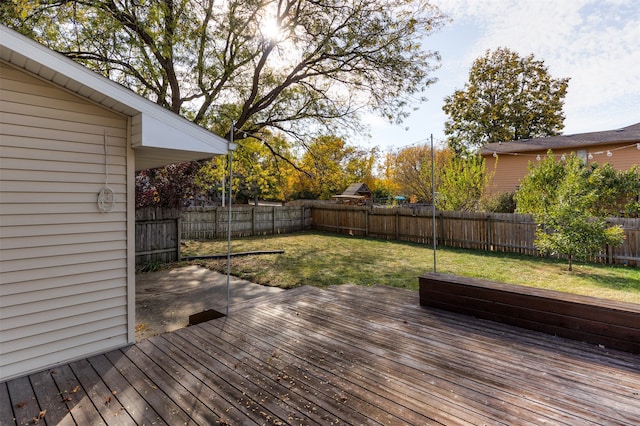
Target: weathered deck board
column 290, row 370
column 346, row 355
column 478, row 328
column 205, row 405
column 81, row 408
column 547, row 385
column 91, row 402
column 405, row 368
column 256, row 394
column 348, row 383
column 203, row 380
column 47, row 394
column 6, row 412
column 120, row 390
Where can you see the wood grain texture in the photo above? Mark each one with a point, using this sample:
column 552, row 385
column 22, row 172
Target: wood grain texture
column 345, row 355
column 602, row 322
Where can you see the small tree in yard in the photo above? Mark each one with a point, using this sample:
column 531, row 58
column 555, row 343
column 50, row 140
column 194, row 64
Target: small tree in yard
column 564, row 204
column 462, row 182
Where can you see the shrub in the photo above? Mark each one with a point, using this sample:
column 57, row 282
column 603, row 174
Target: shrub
column 499, row 203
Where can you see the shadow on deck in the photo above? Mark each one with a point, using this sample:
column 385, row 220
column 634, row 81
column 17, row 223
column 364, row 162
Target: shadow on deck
column 346, row 355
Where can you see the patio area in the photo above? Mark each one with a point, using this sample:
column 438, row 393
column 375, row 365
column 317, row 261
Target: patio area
column 345, row 355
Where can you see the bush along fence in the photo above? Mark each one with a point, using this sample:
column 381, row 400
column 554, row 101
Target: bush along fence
column 158, row 231
column 502, row 232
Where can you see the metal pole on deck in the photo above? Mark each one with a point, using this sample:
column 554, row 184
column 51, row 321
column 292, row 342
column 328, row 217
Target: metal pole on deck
column 230, row 150
column 433, row 201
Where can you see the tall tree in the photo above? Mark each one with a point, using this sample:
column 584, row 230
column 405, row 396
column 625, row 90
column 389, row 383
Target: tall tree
column 507, row 97
column 413, row 171
column 330, row 165
column 458, row 180
column 386, row 184
column 257, row 174
column 294, row 65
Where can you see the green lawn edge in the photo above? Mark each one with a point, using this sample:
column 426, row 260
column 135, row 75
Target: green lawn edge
column 324, row 259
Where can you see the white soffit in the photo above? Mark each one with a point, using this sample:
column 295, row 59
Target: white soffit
column 176, row 138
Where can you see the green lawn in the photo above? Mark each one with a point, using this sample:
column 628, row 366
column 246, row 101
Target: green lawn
column 321, row 260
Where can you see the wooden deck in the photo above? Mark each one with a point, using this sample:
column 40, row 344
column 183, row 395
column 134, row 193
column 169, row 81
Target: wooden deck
column 347, row 355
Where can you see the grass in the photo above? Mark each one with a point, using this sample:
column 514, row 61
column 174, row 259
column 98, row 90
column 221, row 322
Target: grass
column 322, row 260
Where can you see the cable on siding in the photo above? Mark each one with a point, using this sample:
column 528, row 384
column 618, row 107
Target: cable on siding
column 106, row 196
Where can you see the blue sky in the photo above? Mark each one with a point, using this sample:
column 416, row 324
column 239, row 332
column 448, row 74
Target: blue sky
column 596, row 43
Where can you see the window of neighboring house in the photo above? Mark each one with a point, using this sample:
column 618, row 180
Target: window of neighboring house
column 582, row 155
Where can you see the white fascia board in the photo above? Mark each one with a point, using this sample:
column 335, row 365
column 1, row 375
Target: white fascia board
column 180, row 134
column 161, row 128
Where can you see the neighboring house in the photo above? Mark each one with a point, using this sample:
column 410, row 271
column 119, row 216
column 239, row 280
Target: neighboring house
column 356, row 193
column 70, row 143
column 508, row 161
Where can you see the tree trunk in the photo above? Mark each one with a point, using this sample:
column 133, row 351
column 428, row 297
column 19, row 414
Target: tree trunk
column 570, row 262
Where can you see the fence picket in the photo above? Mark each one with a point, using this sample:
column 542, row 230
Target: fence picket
column 503, row 232
column 158, row 231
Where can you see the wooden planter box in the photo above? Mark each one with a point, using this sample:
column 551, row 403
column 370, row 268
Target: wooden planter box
column 603, row 322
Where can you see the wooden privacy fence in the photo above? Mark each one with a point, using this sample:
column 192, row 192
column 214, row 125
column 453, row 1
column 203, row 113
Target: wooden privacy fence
column 207, row 223
column 159, row 231
column 502, row 232
column 157, row 235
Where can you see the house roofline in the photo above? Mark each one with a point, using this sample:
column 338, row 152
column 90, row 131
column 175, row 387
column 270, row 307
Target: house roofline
column 160, row 128
column 629, row 134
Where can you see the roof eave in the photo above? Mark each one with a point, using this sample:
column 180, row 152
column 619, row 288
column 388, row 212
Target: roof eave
column 176, row 138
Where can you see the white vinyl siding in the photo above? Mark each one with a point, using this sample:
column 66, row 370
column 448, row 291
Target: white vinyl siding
column 63, row 263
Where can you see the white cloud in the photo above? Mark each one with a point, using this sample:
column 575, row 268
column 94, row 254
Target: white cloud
column 594, row 42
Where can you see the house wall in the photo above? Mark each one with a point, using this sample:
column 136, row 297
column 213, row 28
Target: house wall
column 506, row 172
column 508, row 169
column 63, row 264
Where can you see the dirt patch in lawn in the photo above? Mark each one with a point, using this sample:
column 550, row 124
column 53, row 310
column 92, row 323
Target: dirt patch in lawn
column 165, row 299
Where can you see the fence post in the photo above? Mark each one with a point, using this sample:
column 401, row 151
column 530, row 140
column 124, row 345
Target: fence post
column 253, row 221
column 366, row 223
column 273, row 220
column 397, row 224
column 178, row 239
column 488, row 237
column 215, row 224
column 441, row 236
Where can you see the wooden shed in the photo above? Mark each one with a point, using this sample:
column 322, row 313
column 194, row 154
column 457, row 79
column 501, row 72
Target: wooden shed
column 70, row 143
column 508, row 161
column 356, row 193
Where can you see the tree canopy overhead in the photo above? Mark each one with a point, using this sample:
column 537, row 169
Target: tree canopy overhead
column 507, row 97
column 299, row 66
